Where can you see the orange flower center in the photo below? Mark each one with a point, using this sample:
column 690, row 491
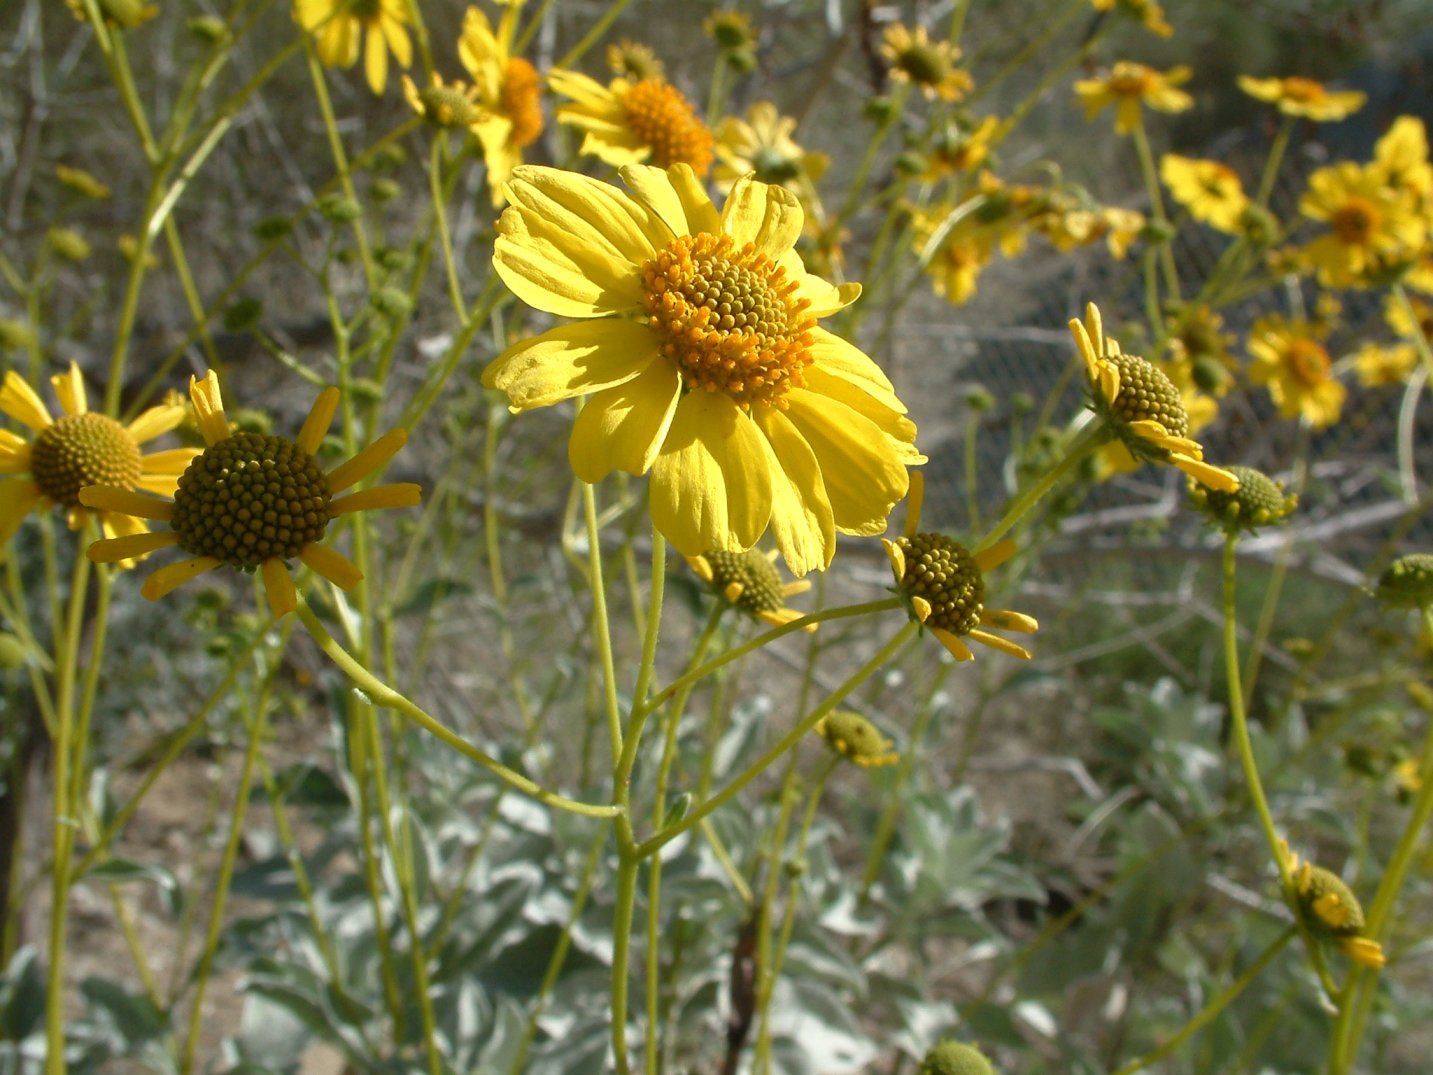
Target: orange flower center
column 80, row 450
column 1303, row 90
column 663, row 119
column 729, row 318
column 521, row 101
column 1132, row 80
column 1355, row 221
column 1308, row 362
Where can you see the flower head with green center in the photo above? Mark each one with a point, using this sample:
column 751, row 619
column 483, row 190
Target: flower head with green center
column 1407, row 582
column 702, row 358
column 955, row 1058
column 449, row 105
column 1210, row 191
column 1140, row 406
column 1259, row 501
column 927, row 64
column 340, row 26
column 855, row 738
column 1296, row 96
column 80, row 448
column 1199, row 349
column 509, row 92
column 648, row 121
column 1289, row 358
column 943, row 584
column 1129, row 85
column 761, row 145
column 1331, row 910
column 253, row 501
column 748, row 581
column 1376, row 227
column 634, row 61
column 957, row 146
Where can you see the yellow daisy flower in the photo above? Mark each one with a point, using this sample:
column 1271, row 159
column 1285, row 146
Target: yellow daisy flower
column 1419, row 325
column 1210, row 191
column 1140, row 406
column 957, row 147
column 1147, row 12
column 339, row 26
column 1291, row 361
column 1373, row 225
column 856, row 739
column 954, row 266
column 943, row 584
column 1127, row 86
column 1295, row 96
column 1331, row 910
column 1385, row 365
column 701, row 354
column 633, row 122
column 82, row 447
column 748, row 581
column 1401, row 157
column 1199, row 349
column 509, row 91
column 928, row 64
column 634, row 61
column 252, row 501
column 761, row 145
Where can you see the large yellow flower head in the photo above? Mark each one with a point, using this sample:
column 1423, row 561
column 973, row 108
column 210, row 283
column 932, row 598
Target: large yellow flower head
column 930, row 65
column 1289, row 359
column 509, row 93
column 1210, row 191
column 1374, row 226
column 252, row 501
column 943, row 584
column 625, row 122
column 339, row 26
column 701, row 354
column 80, row 448
column 1129, row 85
column 1140, row 406
column 1296, row 96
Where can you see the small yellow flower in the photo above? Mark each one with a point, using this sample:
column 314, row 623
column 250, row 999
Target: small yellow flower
column 1420, row 325
column 1373, row 224
column 1296, row 96
column 698, row 348
column 1140, row 406
column 634, row 61
column 1331, row 910
column 1147, row 12
column 957, row 147
column 340, row 27
column 80, row 448
column 748, row 581
column 252, row 501
column 625, row 122
column 1210, row 191
column 1289, row 358
column 943, row 584
column 761, row 145
column 509, row 93
column 1385, row 365
column 446, row 105
column 1401, row 157
column 1199, row 349
column 856, row 739
column 928, row 64
column 1129, row 85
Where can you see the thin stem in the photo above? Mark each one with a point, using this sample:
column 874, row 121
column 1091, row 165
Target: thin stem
column 601, row 627
column 1090, row 438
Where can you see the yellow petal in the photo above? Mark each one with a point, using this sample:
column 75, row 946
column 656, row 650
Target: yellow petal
column 901, row 431
column 397, row 495
column 19, row 401
column 18, row 498
column 209, row 407
column 70, row 390
column 338, row 41
column 623, row 427
column 571, row 360
column 332, row 565
column 14, row 453
column 958, row 649
column 109, row 498
column 278, row 584
column 131, row 547
column 675, row 195
column 769, row 217
column 167, row 578
column 1004, row 645
column 845, row 360
column 320, row 417
column 996, row 555
column 372, row 459
column 1210, row 476
column 896, row 557
column 711, row 483
column 171, row 461
column 1007, row 620
column 375, row 60
column 801, row 518
column 862, row 470
column 154, row 422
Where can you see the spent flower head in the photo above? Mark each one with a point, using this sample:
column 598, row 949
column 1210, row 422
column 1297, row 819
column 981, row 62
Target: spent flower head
column 1259, row 501
column 81, row 447
column 955, row 1057
column 252, row 501
column 943, row 584
column 748, row 581
column 856, row 739
column 1331, row 910
column 1407, row 582
column 699, row 349
column 928, row 65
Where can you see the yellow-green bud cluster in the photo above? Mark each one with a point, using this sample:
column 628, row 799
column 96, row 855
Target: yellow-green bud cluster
column 249, row 498
column 1408, row 582
column 80, row 450
column 1328, row 903
column 447, row 106
column 1258, row 501
column 761, row 589
column 955, row 1058
column 945, row 575
column 853, row 736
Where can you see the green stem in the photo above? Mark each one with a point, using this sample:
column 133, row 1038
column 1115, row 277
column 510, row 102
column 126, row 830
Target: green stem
column 1085, row 443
